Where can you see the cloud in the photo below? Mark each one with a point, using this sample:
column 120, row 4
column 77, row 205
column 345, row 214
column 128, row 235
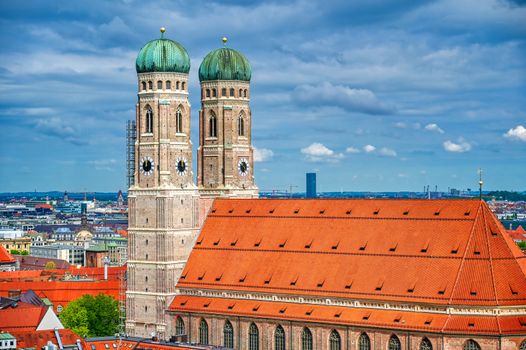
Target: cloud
column 262, row 154
column 434, row 127
column 352, row 150
column 103, row 164
column 56, row 127
column 387, row 152
column 369, row 148
column 517, row 133
column 460, row 147
column 318, row 152
column 350, row 99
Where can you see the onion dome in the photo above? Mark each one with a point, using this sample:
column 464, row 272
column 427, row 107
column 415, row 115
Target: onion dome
column 225, row 64
column 162, row 55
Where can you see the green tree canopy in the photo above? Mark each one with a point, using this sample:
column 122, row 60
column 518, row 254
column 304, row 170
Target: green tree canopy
column 92, row 316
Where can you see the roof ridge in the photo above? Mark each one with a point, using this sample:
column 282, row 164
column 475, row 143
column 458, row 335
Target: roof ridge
column 494, row 283
column 471, row 234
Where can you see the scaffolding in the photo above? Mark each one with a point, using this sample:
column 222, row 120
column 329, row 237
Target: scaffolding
column 131, row 136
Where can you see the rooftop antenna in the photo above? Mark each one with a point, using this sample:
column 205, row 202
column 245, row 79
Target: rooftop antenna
column 481, row 183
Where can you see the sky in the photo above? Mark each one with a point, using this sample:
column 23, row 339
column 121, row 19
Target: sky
column 371, row 95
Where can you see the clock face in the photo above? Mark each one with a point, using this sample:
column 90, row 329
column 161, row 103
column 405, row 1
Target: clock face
column 147, row 166
column 243, row 167
column 180, row 166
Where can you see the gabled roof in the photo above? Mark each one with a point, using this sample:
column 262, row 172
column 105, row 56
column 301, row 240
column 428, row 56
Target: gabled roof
column 21, row 317
column 39, row 339
column 440, row 252
column 5, row 256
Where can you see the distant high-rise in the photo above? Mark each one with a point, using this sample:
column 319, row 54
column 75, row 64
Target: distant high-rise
column 311, row 185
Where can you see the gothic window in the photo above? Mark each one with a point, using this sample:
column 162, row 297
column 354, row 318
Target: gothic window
column 523, row 345
column 394, row 343
column 426, row 344
column 149, row 120
column 159, row 85
column 143, row 86
column 335, row 341
column 245, row 93
column 203, row 332
column 228, row 335
column 176, row 85
column 183, row 85
column 207, row 92
column 214, row 93
column 179, row 326
column 253, row 337
column 240, row 92
column 150, row 85
column 168, row 85
column 471, row 345
column 306, row 339
column 279, row 338
column 213, row 125
column 241, row 125
column 364, row 343
column 231, row 92
column 178, row 120
column 223, row 92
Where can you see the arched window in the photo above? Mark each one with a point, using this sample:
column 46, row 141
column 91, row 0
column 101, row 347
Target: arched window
column 241, row 125
column 176, row 85
column 364, row 343
column 149, row 120
column 471, row 345
column 213, row 125
column 394, row 343
column 159, row 85
column 143, row 86
column 207, row 92
column 203, row 332
column 335, row 341
column 240, row 92
column 223, row 92
column 179, row 326
column 425, row 344
column 168, row 85
column 253, row 337
column 279, row 338
column 178, row 120
column 183, row 85
column 214, row 93
column 245, row 93
column 523, row 345
column 228, row 335
column 150, row 85
column 306, row 339
column 231, row 92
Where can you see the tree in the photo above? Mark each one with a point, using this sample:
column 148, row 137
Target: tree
column 92, row 316
column 50, row 265
column 15, row 252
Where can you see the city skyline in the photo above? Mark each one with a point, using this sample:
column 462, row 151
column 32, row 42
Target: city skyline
column 422, row 94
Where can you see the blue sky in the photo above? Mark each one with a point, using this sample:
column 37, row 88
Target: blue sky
column 373, row 95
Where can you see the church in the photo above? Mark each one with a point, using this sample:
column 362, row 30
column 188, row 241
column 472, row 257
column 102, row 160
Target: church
column 210, row 263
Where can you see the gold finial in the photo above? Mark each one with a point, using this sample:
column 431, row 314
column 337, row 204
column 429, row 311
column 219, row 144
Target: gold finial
column 163, row 29
column 224, row 39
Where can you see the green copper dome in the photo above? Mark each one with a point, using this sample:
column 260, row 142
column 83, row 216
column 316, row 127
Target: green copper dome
column 225, row 64
column 162, row 55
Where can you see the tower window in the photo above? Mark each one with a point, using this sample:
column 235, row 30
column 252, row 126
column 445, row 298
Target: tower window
column 159, row 85
column 149, row 120
column 207, row 92
column 183, row 85
column 245, row 93
column 240, row 92
column 178, row 120
column 214, row 93
column 168, row 85
column 241, row 125
column 150, row 85
column 223, row 92
column 213, row 125
column 143, row 86
column 176, row 85
column 232, row 92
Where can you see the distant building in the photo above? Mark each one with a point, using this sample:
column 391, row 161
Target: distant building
column 311, row 185
column 7, row 341
column 7, row 262
column 73, row 254
column 21, row 244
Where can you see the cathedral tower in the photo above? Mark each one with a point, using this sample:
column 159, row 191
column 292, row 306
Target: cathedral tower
column 163, row 201
column 225, row 155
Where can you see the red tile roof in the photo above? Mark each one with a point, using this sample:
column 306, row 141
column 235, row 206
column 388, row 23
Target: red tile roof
column 519, row 234
column 39, row 339
column 427, row 251
column 5, row 256
column 23, row 317
column 132, row 343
